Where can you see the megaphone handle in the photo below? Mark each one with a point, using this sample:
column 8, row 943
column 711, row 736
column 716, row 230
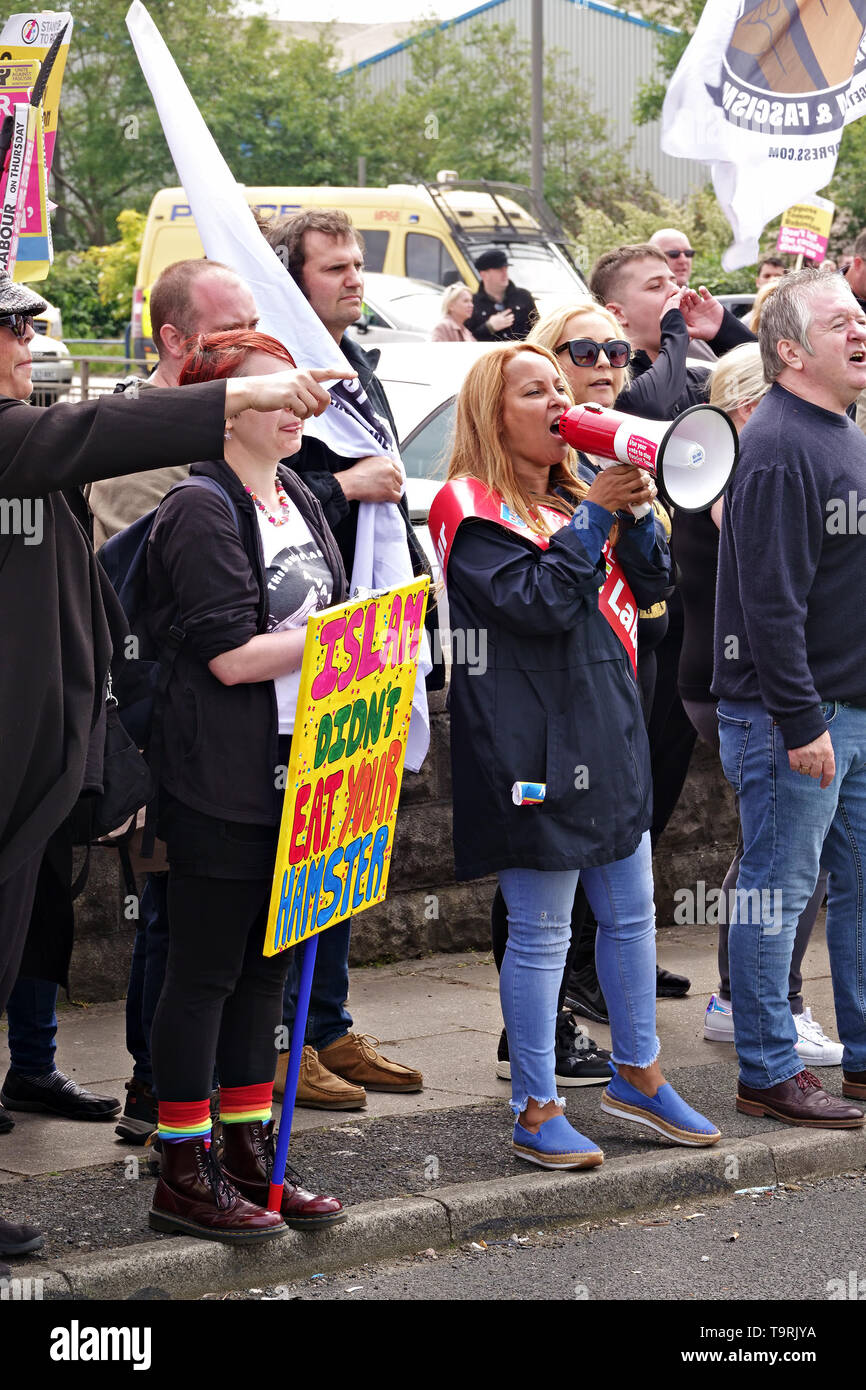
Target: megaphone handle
column 640, row 511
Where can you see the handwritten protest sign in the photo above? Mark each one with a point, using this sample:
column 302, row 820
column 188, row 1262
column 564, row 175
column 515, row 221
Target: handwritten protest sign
column 346, row 767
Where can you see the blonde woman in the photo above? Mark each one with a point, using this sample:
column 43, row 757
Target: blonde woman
column 754, row 319
column 456, row 309
column 524, row 546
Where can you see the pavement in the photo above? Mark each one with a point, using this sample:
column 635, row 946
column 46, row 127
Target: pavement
column 416, row 1172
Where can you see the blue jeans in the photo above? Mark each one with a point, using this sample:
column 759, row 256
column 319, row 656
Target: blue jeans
column 539, row 927
column 146, row 973
column 790, row 828
column 32, row 1026
column 328, row 1018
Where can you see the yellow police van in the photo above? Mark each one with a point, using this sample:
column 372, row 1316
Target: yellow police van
column 428, row 231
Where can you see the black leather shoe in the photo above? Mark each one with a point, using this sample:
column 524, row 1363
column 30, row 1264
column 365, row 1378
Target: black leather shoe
column 669, row 986
column 57, row 1095
column 19, row 1240
column 6, row 1121
column 583, row 995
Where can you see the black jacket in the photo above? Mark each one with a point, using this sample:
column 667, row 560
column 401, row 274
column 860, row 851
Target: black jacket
column 525, row 314
column 220, row 747
column 318, row 465
column 54, row 597
column 557, row 695
column 664, row 388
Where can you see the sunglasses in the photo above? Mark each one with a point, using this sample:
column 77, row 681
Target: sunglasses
column 584, row 352
column 18, row 323
column 675, row 255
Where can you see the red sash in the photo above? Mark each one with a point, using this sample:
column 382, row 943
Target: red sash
column 465, row 498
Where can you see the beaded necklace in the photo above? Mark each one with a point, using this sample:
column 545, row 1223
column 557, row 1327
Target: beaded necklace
column 281, row 498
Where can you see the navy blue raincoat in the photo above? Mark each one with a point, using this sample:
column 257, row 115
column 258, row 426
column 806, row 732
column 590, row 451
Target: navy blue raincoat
column 553, row 700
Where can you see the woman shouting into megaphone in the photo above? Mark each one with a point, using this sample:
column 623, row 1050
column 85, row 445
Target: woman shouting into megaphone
column 549, row 755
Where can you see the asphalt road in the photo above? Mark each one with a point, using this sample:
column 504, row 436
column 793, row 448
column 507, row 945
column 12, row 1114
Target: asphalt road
column 800, row 1243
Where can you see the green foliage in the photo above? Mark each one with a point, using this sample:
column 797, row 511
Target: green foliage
column 681, row 16
column 93, row 288
column 467, row 106
column 281, row 114
column 120, row 263
column 699, row 216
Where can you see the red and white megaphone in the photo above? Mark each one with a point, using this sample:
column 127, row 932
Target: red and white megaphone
column 692, row 458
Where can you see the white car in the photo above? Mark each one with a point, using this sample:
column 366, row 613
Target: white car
column 421, row 381
column 397, row 310
column 52, row 369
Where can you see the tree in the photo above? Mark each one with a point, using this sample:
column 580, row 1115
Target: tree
column 273, row 109
column 846, row 189
column 699, row 216
column 466, row 106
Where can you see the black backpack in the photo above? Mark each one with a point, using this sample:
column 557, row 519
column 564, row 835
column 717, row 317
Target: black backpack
column 140, row 673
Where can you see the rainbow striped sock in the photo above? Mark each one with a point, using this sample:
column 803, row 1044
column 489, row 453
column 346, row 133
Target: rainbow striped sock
column 244, row 1104
column 184, row 1119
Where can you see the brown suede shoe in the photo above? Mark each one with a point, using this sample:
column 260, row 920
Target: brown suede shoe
column 854, row 1084
column 194, row 1197
column 355, row 1058
column 248, row 1163
column 799, row 1101
column 318, row 1088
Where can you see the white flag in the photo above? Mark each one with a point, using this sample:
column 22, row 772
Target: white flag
column 229, row 234
column 763, row 93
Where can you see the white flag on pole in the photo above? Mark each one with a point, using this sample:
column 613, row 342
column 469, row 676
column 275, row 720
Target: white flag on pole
column 763, row 93
column 229, row 234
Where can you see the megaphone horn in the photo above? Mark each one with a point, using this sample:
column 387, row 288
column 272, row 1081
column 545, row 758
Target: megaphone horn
column 693, row 457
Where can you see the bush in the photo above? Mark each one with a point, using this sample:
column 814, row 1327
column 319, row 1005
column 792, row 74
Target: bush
column 93, row 288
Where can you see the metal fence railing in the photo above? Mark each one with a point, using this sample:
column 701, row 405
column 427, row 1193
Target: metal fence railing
column 92, row 375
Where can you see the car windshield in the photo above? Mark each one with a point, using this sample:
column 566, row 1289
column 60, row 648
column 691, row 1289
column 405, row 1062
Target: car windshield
column 539, row 269
column 427, row 451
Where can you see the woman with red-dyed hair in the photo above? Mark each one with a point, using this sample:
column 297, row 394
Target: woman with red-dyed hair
column 238, row 563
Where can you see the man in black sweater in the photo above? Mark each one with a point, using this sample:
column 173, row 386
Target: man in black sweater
column 789, row 673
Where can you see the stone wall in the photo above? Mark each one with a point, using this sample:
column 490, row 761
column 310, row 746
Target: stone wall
column 425, row 909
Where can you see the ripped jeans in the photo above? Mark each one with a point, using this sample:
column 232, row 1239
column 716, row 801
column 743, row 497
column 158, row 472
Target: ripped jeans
column 539, row 928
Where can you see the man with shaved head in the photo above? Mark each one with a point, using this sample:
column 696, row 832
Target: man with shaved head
column 677, row 250
column 189, row 297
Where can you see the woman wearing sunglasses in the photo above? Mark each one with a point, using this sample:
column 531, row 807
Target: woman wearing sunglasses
column 594, row 358
column 556, row 717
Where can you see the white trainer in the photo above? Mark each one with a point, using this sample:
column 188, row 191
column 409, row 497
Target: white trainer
column 813, row 1045
column 719, row 1020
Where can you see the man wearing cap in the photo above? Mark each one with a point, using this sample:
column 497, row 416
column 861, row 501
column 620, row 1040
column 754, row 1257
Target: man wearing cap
column 500, row 310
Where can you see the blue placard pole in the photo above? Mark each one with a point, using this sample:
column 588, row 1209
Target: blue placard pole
column 299, row 1030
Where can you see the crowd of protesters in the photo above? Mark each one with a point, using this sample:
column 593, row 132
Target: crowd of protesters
column 747, row 619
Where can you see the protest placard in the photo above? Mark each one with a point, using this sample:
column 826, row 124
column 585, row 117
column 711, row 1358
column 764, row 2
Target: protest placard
column 24, row 38
column 805, row 229
column 346, row 767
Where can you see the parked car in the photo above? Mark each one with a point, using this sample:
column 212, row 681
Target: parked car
column 397, row 310
column 50, row 321
column 52, row 369
column 739, row 304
